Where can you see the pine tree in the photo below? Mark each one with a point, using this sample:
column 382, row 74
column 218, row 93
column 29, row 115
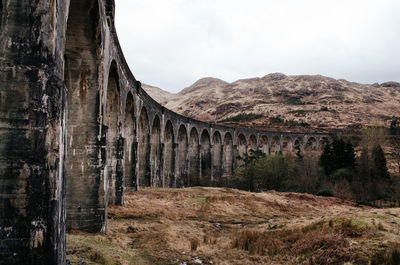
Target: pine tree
column 326, row 158
column 380, row 169
column 339, row 156
column 349, row 155
column 364, row 166
column 393, row 127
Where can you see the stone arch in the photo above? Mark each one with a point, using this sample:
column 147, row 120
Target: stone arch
column 194, row 158
column 205, row 155
column 169, row 158
column 275, row 144
column 85, row 198
column 111, row 119
column 217, row 155
column 228, row 154
column 129, row 134
column 241, row 148
column 155, row 152
column 264, row 144
column 287, row 144
column 298, row 144
column 311, row 144
column 144, row 177
column 182, row 173
column 253, row 142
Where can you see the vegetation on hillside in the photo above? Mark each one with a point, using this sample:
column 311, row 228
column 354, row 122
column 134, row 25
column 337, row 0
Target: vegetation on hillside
column 242, row 117
column 294, row 101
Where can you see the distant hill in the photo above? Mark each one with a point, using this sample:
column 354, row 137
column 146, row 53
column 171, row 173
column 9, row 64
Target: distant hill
column 294, row 103
column 159, row 95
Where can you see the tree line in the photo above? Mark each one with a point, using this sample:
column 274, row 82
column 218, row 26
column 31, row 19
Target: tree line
column 337, row 171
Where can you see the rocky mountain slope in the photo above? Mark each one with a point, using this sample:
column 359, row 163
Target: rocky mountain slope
column 159, row 95
column 287, row 102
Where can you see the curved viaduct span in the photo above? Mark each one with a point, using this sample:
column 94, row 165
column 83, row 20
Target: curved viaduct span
column 77, row 129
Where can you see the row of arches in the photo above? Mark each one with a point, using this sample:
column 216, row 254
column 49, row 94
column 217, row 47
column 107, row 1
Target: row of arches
column 272, row 144
column 170, row 160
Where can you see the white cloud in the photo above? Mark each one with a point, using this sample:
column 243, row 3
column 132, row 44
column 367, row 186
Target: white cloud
column 173, row 43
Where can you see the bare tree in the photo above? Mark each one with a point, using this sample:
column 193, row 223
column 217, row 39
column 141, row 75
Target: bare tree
column 373, row 136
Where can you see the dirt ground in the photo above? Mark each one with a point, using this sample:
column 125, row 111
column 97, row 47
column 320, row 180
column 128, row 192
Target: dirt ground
column 227, row 226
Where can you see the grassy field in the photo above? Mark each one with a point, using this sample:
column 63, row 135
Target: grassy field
column 227, row 226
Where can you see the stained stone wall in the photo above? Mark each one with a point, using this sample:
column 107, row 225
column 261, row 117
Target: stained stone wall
column 77, row 129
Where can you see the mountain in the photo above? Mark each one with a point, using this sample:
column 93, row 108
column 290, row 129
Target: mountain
column 294, row 103
column 159, row 95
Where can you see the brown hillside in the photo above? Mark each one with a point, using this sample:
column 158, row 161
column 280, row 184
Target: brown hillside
column 158, row 94
column 302, row 102
column 227, row 226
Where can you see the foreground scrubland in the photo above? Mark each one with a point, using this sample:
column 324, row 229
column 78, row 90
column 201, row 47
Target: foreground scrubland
column 227, row 226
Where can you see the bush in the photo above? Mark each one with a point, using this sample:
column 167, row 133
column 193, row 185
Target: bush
column 387, row 257
column 295, row 123
column 306, row 172
column 242, row 117
column 301, row 111
column 324, row 109
column 276, row 120
column 325, row 193
column 294, row 101
column 266, row 172
column 323, row 242
column 341, row 174
column 194, row 244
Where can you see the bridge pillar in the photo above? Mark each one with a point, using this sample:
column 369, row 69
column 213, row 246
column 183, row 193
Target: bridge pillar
column 234, row 159
column 219, row 168
column 32, row 135
column 119, row 175
column 212, row 172
column 135, row 153
column 198, row 164
column 175, row 167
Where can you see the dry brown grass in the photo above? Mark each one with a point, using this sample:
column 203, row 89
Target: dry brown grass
column 227, row 226
column 389, row 256
column 320, row 242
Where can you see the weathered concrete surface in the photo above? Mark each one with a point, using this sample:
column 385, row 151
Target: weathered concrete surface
column 77, row 129
column 32, row 132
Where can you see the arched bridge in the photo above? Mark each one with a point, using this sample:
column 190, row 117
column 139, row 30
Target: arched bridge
column 77, row 129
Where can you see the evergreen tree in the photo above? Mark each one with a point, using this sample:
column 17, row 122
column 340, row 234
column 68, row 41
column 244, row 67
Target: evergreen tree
column 326, row 158
column 380, row 169
column 349, row 155
column 393, row 127
column 338, row 159
column 364, row 166
column 339, row 153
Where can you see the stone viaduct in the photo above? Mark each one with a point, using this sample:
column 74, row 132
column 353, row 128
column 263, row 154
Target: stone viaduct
column 77, row 129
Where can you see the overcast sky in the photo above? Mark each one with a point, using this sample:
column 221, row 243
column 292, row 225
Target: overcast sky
column 173, row 43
